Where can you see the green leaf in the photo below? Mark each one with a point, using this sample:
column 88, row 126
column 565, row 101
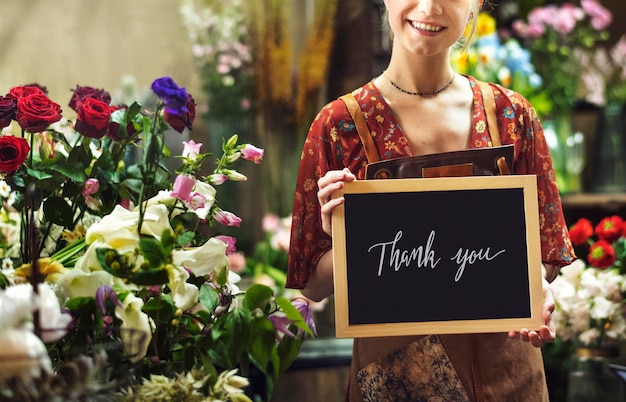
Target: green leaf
column 112, row 262
column 161, row 309
column 257, row 296
column 288, row 350
column 153, row 251
column 73, row 171
column 78, row 303
column 186, row 238
column 262, row 343
column 58, row 211
column 150, row 277
column 209, row 297
column 39, row 174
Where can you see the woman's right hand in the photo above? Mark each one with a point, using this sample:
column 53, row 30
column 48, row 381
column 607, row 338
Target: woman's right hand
column 332, row 181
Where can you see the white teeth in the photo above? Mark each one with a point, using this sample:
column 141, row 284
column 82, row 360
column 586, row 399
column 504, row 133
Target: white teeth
column 426, row 27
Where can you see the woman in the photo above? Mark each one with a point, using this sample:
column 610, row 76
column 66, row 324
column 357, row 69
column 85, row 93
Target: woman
column 419, row 105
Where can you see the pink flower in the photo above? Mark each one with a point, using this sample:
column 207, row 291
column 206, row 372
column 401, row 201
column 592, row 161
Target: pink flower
column 195, row 201
column 237, row 262
column 182, row 187
column 227, row 218
column 600, row 17
column 90, row 187
column 252, row 153
column 191, row 149
column 567, row 17
column 217, row 179
column 230, row 243
column 271, row 223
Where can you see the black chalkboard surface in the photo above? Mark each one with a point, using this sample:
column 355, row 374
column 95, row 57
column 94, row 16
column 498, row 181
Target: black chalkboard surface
column 446, row 255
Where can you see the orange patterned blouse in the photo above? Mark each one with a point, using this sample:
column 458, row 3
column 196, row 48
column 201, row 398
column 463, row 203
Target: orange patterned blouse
column 333, row 143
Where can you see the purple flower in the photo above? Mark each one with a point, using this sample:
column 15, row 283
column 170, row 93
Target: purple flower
column 307, row 315
column 174, row 97
column 103, row 293
column 281, row 324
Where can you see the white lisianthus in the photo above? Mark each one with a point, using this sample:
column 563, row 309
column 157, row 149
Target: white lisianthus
column 53, row 321
column 118, row 229
column 136, row 326
column 204, row 259
column 185, row 294
column 23, row 355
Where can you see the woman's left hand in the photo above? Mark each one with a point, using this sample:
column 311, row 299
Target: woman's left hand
column 547, row 332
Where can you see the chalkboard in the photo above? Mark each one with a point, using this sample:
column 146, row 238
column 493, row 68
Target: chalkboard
column 445, row 255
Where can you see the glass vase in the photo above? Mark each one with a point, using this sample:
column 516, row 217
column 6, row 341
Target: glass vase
column 609, row 167
column 567, row 152
column 590, row 378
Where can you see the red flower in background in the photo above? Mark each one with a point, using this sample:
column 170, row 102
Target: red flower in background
column 7, row 110
column 26, row 90
column 581, row 231
column 610, row 228
column 601, row 254
column 93, row 117
column 13, row 152
column 36, row 112
column 83, row 93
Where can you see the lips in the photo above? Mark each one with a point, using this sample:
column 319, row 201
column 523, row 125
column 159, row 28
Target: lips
column 426, row 27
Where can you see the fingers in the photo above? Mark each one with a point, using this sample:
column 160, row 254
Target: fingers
column 331, row 182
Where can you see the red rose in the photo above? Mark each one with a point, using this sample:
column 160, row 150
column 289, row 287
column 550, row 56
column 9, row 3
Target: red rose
column 36, row 112
column 25, row 90
column 610, row 228
column 7, row 111
column 601, row 254
column 581, row 231
column 13, row 152
column 83, row 93
column 93, row 118
column 179, row 121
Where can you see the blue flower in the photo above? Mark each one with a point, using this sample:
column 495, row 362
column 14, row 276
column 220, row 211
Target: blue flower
column 174, row 97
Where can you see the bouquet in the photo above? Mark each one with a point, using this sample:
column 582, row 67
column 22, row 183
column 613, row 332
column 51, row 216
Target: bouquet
column 604, row 74
column 136, row 263
column 589, row 294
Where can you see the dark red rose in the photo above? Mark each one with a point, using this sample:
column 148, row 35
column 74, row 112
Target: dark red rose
column 179, row 121
column 581, row 231
column 82, row 93
column 601, row 254
column 13, row 152
column 113, row 132
column 610, row 228
column 93, row 118
column 25, row 90
column 7, row 110
column 36, row 112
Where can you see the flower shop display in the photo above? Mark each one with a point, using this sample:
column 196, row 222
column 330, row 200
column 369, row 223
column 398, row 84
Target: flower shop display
column 590, row 309
column 136, row 262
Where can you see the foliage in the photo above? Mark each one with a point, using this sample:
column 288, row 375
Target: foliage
column 136, row 262
column 589, row 294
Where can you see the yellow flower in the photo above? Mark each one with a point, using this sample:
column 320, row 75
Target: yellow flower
column 486, row 24
column 51, row 270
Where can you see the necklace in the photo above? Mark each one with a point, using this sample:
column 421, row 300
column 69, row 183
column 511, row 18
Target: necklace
column 431, row 93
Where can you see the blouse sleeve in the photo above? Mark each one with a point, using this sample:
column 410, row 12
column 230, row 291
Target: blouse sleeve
column 323, row 150
column 519, row 124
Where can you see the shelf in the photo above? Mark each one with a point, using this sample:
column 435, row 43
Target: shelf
column 593, row 206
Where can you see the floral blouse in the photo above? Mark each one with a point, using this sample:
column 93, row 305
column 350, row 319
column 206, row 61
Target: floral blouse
column 333, row 143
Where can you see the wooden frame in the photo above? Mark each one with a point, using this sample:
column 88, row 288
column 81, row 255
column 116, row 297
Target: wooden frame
column 375, row 209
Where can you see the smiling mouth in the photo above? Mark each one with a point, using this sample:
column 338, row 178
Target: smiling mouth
column 425, row 27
